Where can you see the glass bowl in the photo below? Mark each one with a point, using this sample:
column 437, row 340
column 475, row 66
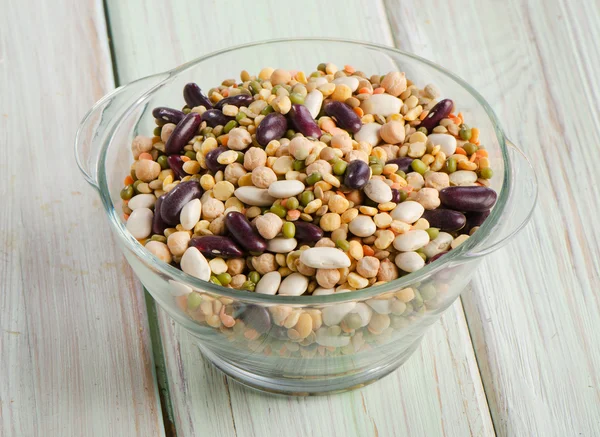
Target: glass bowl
column 261, row 347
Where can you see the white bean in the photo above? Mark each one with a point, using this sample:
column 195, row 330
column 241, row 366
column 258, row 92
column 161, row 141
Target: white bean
column 254, row 196
column 142, row 201
column 411, row 240
column 365, row 313
column 324, row 339
column 313, row 102
column 351, row 81
column 269, row 283
column 463, row 178
column 409, row 261
column 378, row 191
column 440, row 244
column 320, row 291
column 446, row 142
column 293, row 285
column 190, row 214
column 285, row 189
column 362, row 226
column 325, row 258
column 334, row 314
column 381, row 306
column 382, row 104
column 408, row 211
column 139, row 223
column 369, row 133
column 281, row 245
column 193, row 263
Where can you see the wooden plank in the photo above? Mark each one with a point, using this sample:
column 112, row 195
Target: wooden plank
column 437, row 392
column 74, row 349
column 534, row 311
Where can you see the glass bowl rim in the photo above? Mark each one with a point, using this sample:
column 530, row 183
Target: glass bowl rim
column 453, row 256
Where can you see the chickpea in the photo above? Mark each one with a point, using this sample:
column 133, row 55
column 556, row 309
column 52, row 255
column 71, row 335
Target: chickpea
column 239, row 139
column 262, row 177
column 254, row 157
column 233, row 172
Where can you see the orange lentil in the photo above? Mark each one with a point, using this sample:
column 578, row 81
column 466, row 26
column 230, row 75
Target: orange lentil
column 358, row 111
column 423, row 115
column 460, row 116
column 407, row 188
column 472, row 158
column 461, row 151
column 482, row 153
column 365, row 90
column 225, row 93
column 145, row 156
column 293, row 214
column 224, row 139
column 395, row 185
column 128, row 180
column 379, row 90
column 475, row 135
column 185, row 158
column 349, row 69
column 368, row 251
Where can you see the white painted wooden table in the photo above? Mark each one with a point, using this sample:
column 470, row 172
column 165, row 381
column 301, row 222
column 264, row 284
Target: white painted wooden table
column 519, row 355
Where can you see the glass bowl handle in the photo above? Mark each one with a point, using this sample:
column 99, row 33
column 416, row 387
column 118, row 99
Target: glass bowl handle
column 520, row 206
column 99, row 120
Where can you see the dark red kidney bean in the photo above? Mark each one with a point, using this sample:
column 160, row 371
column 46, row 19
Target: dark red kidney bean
column 242, row 231
column 175, row 200
column 445, row 219
column 214, row 117
column 272, row 127
column 239, row 100
column 358, row 174
column 303, row 122
column 158, row 224
column 211, row 159
column 257, row 318
column 441, row 110
column 176, row 164
column 183, row 132
column 308, row 232
column 279, row 332
column 217, row 245
column 468, row 198
column 474, row 219
column 193, row 96
column 395, row 195
column 435, row 257
column 345, row 116
column 402, row 163
column 169, row 115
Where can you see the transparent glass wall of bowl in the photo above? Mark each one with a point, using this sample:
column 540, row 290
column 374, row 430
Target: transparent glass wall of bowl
column 262, row 344
column 333, row 349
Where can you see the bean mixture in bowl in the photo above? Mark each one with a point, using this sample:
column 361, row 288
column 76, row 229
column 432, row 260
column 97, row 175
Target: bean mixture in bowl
column 289, row 184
